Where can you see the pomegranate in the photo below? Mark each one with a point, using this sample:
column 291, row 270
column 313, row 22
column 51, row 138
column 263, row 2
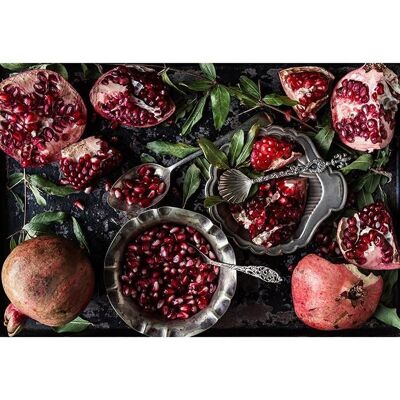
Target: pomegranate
column 309, row 86
column 364, row 104
column 87, row 160
column 270, row 153
column 329, row 296
column 47, row 278
column 141, row 190
column 326, row 242
column 132, row 97
column 367, row 238
column 40, row 114
column 273, row 214
column 164, row 275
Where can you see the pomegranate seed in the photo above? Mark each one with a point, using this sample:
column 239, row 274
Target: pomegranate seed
column 78, row 204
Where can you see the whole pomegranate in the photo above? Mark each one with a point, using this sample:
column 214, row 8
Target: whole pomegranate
column 40, row 114
column 367, row 239
column 132, row 96
column 364, row 104
column 48, row 279
column 270, row 153
column 309, row 86
column 87, row 160
column 330, row 296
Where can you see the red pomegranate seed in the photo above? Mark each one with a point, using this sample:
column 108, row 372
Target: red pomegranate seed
column 78, row 204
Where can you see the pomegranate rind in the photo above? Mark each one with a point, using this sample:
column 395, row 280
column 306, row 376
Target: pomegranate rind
column 320, row 294
column 49, row 279
column 370, row 75
column 101, row 92
column 14, row 320
column 25, row 81
column 308, row 112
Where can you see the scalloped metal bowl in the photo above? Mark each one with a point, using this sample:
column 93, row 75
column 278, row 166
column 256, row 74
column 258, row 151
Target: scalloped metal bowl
column 327, row 192
column 148, row 323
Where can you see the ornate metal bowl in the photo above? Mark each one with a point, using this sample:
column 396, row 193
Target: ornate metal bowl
column 327, row 192
column 148, row 323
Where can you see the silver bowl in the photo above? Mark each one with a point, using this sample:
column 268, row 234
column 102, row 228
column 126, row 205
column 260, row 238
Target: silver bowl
column 149, row 323
column 327, row 192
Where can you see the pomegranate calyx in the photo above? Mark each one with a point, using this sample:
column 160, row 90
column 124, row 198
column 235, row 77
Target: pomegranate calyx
column 14, row 320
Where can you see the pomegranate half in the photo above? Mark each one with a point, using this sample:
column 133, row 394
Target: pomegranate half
column 48, row 279
column 40, row 114
column 329, row 296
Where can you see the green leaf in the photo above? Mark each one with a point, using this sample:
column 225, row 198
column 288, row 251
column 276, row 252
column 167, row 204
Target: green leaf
column 18, row 200
column 191, row 183
column 236, row 147
column 362, row 163
column 372, row 183
column 195, row 116
column 382, row 194
column 246, row 151
column 15, row 66
column 253, row 191
column 50, row 217
column 248, row 101
column 60, row 69
column 34, row 229
column 388, row 316
column 249, row 87
column 15, row 179
column 93, row 71
column 178, row 150
column 146, row 158
column 213, row 155
column 38, row 197
column 363, row 199
column 77, row 325
column 80, row 237
column 50, row 187
column 390, row 279
column 274, row 99
column 359, row 183
column 184, row 106
column 198, row 86
column 213, row 201
column 13, row 243
column 220, row 104
column 166, row 79
column 204, row 166
column 209, row 71
column 324, row 139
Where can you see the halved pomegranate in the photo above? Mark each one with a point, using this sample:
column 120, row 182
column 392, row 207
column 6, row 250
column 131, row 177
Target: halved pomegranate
column 274, row 213
column 367, row 238
column 40, row 114
column 364, row 104
column 330, row 296
column 270, row 153
column 132, row 96
column 309, row 86
column 88, row 160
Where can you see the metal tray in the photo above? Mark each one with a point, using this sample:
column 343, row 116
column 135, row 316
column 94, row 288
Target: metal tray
column 257, row 309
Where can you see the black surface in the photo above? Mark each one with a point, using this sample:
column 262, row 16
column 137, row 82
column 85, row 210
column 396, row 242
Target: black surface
column 257, row 309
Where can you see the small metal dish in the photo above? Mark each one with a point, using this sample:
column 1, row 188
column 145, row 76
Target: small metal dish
column 151, row 324
column 327, row 192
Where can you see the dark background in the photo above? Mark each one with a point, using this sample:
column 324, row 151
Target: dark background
column 257, row 309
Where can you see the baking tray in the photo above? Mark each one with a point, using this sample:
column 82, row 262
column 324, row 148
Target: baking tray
column 257, row 309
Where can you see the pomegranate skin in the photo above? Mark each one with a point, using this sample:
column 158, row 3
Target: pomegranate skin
column 49, row 279
column 329, row 296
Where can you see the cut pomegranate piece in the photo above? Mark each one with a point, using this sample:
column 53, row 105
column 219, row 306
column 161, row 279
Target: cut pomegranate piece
column 88, row 160
column 309, row 86
column 163, row 274
column 274, row 213
column 132, row 97
column 330, row 296
column 367, row 239
column 364, row 104
column 270, row 153
column 40, row 114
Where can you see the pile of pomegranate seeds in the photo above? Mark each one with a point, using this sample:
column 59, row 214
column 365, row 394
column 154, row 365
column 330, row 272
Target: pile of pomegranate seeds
column 163, row 274
column 141, row 190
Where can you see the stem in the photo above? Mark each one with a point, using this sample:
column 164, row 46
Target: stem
column 173, row 69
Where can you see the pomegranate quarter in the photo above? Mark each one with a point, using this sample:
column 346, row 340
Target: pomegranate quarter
column 330, row 296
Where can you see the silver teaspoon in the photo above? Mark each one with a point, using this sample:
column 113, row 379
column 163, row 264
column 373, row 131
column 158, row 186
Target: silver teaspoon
column 234, row 186
column 266, row 274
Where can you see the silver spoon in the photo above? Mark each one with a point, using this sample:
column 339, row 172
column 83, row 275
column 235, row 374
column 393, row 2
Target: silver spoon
column 266, row 274
column 165, row 172
column 234, row 186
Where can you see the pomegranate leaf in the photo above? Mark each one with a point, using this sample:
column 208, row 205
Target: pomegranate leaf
column 184, row 106
column 15, row 179
column 13, row 243
column 362, row 163
column 195, row 115
column 213, row 201
column 324, row 138
column 220, row 104
column 59, row 68
column 18, row 200
column 204, row 166
column 178, row 150
column 93, row 71
column 15, row 66
column 80, row 237
column 363, row 199
column 145, row 158
column 372, row 183
column 198, row 86
column 236, row 146
column 191, row 183
column 246, row 151
column 49, row 187
column 209, row 71
column 166, row 79
column 77, row 325
column 243, row 98
column 274, row 99
column 40, row 200
column 249, row 87
column 213, row 155
column 388, row 316
column 390, row 279
column 49, row 217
